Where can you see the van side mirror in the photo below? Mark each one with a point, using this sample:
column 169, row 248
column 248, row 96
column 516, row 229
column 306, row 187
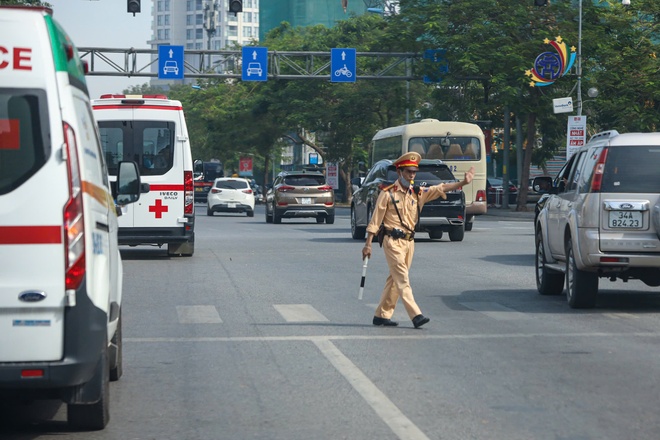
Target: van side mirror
column 129, row 186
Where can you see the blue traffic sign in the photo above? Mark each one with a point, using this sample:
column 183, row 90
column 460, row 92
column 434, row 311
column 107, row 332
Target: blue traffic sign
column 255, row 64
column 170, row 62
column 437, row 57
column 342, row 65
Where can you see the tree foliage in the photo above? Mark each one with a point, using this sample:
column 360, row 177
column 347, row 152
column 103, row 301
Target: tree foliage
column 489, row 45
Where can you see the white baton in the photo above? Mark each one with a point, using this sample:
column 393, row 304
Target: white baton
column 364, row 275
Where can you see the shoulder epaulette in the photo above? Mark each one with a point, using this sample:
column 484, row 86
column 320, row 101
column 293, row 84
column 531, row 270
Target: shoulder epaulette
column 389, row 187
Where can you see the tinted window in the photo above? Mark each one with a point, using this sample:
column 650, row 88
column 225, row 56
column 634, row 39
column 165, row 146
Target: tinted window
column 231, row 184
column 425, row 174
column 24, row 145
column 148, row 143
column 307, row 180
column 632, row 170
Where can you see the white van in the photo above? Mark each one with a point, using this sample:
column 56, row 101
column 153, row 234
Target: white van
column 61, row 271
column 151, row 130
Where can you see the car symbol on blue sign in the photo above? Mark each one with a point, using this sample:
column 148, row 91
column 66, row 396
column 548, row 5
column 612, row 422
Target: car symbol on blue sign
column 255, row 64
column 170, row 62
column 342, row 65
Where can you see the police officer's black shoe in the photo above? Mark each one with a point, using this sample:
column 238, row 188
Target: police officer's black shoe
column 384, row 321
column 420, row 320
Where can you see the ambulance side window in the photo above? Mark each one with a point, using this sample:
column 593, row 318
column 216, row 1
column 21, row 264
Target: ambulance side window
column 23, row 149
column 112, row 143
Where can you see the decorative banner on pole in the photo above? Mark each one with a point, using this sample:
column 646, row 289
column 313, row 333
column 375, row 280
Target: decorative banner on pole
column 549, row 66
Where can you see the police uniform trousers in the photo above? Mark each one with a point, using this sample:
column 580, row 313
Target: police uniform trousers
column 399, row 255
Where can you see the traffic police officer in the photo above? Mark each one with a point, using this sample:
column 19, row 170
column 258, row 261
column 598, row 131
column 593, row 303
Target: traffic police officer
column 397, row 208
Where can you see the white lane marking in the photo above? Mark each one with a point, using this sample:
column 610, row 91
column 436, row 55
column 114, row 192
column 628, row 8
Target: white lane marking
column 621, row 315
column 389, row 413
column 198, row 315
column 495, row 310
column 393, row 336
column 299, row 313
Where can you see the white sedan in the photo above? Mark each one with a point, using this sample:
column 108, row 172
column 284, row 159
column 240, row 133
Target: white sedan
column 231, row 194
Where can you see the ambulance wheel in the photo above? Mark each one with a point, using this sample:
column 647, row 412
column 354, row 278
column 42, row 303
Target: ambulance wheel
column 116, row 345
column 94, row 416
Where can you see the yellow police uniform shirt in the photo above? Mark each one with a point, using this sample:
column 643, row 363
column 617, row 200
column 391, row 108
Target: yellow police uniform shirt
column 406, row 203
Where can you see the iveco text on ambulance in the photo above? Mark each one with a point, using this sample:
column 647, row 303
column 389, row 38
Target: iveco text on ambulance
column 151, row 130
column 61, row 271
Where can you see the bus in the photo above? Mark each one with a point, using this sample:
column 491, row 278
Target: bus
column 460, row 145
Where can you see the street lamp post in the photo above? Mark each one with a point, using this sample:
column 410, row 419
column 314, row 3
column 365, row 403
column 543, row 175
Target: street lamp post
column 579, row 63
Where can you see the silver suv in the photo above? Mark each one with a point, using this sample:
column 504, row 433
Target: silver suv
column 600, row 217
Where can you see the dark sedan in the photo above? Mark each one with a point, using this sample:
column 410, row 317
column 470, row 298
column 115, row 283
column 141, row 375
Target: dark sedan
column 495, row 192
column 437, row 216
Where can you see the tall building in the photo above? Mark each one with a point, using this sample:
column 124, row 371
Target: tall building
column 308, row 12
column 202, row 24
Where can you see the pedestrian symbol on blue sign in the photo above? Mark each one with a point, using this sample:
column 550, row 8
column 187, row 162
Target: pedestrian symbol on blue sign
column 342, row 65
column 255, row 64
column 170, row 62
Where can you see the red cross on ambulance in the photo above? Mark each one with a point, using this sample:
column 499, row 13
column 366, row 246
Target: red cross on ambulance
column 158, row 208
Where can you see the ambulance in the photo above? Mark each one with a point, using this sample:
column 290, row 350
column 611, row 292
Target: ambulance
column 151, row 130
column 60, row 266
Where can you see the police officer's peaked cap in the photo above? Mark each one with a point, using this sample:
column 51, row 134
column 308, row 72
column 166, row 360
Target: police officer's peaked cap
column 408, row 160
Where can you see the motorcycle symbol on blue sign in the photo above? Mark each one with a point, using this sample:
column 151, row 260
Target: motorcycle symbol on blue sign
column 342, row 65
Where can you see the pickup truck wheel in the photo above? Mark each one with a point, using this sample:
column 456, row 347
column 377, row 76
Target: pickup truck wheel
column 456, row 233
column 469, row 221
column 357, row 232
column 94, row 416
column 435, row 234
column 581, row 286
column 548, row 282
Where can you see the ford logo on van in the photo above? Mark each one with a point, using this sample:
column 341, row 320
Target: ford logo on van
column 32, row 296
column 626, row 206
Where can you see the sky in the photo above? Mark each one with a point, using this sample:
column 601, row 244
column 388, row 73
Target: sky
column 105, row 24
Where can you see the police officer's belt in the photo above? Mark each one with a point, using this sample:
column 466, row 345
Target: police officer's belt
column 398, row 233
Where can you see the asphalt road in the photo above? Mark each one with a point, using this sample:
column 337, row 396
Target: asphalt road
column 260, row 335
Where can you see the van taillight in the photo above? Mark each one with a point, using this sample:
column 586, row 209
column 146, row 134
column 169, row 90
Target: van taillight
column 597, row 179
column 481, row 196
column 74, row 221
column 188, row 193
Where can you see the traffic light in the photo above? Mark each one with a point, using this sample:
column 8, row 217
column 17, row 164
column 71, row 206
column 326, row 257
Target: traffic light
column 235, row 6
column 540, row 2
column 133, row 6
